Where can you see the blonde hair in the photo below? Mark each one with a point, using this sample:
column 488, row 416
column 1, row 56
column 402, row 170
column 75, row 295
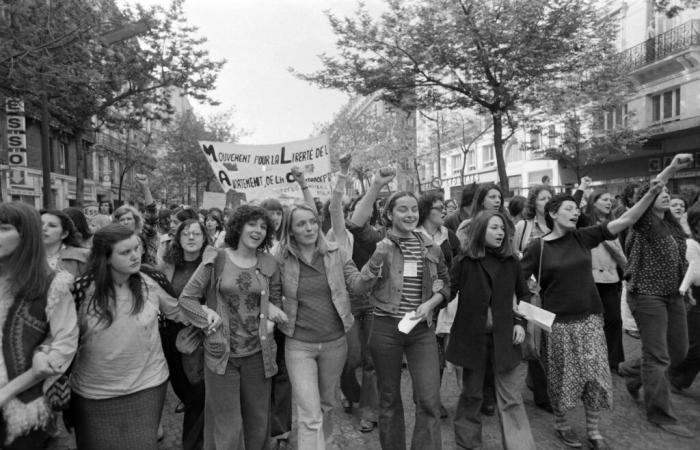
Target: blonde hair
column 123, row 210
column 287, row 238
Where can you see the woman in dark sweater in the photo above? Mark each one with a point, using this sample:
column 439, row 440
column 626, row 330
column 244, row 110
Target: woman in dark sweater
column 486, row 329
column 576, row 354
column 656, row 247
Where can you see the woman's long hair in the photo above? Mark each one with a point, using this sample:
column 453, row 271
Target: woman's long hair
column 272, row 204
column 80, row 222
column 103, row 301
column 593, row 214
column 669, row 225
column 480, row 195
column 26, row 268
column 68, row 226
column 175, row 255
column 475, row 247
column 531, row 207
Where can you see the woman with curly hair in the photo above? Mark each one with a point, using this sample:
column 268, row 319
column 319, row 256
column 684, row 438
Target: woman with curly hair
column 183, row 256
column 39, row 330
column 61, row 242
column 242, row 283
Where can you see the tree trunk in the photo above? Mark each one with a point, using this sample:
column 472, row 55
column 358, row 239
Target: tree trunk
column 79, row 169
column 46, row 192
column 439, row 151
column 415, row 165
column 498, row 149
column 121, row 183
column 465, row 152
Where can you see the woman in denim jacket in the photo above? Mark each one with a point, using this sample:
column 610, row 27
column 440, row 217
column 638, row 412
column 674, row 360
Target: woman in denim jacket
column 319, row 315
column 241, row 283
column 414, row 281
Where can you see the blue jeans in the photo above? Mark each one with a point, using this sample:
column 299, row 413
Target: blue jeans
column 664, row 334
column 237, row 406
column 314, row 372
column 388, row 345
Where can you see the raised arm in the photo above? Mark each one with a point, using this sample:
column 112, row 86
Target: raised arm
column 301, row 181
column 336, row 206
column 363, row 209
column 632, row 215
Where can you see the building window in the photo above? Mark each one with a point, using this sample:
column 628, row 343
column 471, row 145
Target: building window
column 471, row 160
column 488, row 156
column 615, row 118
column 535, row 140
column 513, row 153
column 456, row 165
column 552, row 136
column 666, row 105
column 443, row 167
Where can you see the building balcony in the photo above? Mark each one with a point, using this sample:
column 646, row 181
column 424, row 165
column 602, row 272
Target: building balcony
column 671, row 52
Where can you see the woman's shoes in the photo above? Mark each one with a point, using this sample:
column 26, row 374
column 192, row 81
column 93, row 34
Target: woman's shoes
column 598, row 444
column 569, row 438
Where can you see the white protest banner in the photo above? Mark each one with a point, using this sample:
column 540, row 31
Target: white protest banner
column 263, row 171
column 213, row 200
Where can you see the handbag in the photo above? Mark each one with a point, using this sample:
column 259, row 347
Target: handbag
column 533, row 334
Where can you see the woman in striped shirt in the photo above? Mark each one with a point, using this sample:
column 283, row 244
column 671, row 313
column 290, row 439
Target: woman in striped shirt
column 414, row 281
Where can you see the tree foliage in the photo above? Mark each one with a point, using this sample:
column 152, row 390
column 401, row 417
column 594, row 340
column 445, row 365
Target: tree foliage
column 182, row 166
column 496, row 55
column 70, row 56
column 374, row 139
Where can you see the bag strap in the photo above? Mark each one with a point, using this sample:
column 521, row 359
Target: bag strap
column 539, row 268
column 219, row 263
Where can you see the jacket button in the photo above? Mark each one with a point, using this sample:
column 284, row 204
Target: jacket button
column 262, row 292
column 262, row 338
column 262, row 316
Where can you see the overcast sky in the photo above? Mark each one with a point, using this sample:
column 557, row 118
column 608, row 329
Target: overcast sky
column 260, row 39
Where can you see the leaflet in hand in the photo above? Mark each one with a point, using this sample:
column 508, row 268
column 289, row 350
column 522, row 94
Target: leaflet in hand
column 408, row 322
column 538, row 316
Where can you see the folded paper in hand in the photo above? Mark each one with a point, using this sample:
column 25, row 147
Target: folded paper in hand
column 538, row 316
column 408, row 323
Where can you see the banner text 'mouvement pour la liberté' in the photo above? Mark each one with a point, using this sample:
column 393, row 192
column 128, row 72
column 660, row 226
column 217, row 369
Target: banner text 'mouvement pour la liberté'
column 264, row 171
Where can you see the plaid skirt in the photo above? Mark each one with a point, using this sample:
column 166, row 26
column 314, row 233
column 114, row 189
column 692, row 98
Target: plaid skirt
column 128, row 422
column 577, row 365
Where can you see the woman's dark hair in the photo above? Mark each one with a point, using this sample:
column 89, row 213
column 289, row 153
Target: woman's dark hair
column 425, row 205
column 480, row 195
column 476, row 245
column 553, row 206
column 391, row 203
column 628, row 194
column 68, row 226
column 516, row 206
column 326, row 216
column 468, row 196
column 272, row 204
column 669, row 225
column 681, row 198
column 164, row 220
column 216, row 218
column 174, row 254
column 592, row 212
column 186, row 213
column 26, row 268
column 694, row 222
column 243, row 215
column 103, row 301
column 531, row 207
column 80, row 222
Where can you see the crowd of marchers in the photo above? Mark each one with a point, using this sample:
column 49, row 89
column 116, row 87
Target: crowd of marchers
column 250, row 312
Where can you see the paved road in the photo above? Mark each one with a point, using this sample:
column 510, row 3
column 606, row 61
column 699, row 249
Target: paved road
column 625, row 426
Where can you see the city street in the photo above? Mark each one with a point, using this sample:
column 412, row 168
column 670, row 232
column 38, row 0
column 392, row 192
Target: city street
column 625, row 427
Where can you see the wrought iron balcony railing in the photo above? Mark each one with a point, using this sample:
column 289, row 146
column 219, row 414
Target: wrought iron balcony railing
column 661, row 46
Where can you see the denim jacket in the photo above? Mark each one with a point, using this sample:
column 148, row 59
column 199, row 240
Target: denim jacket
column 342, row 276
column 217, row 346
column 386, row 295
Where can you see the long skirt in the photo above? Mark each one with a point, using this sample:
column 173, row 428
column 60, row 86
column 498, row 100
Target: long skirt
column 577, row 365
column 127, row 422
